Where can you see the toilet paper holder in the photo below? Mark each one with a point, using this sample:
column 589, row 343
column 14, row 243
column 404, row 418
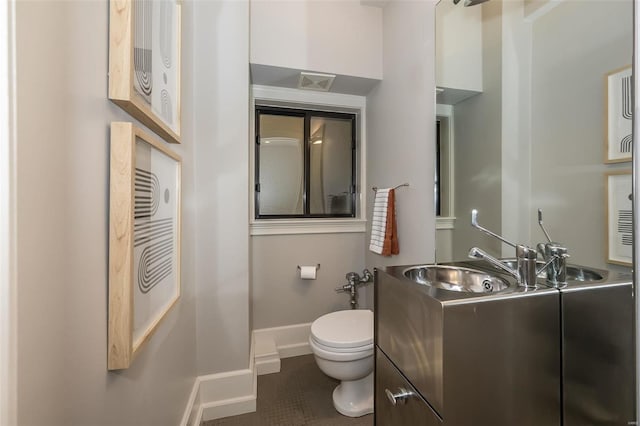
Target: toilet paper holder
column 317, row 267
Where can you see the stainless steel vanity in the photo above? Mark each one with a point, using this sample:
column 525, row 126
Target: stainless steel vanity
column 598, row 357
column 499, row 354
column 598, row 346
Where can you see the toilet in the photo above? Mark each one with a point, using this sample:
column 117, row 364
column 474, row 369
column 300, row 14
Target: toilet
column 342, row 343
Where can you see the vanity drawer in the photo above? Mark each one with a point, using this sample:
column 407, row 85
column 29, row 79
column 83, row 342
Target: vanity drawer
column 410, row 410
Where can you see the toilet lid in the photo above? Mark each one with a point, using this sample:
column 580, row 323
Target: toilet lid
column 344, row 329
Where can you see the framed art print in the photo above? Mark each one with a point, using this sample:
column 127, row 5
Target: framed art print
column 619, row 217
column 144, row 62
column 144, row 239
column 619, row 116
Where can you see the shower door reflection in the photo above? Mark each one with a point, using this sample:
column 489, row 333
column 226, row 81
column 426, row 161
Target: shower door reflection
column 305, row 163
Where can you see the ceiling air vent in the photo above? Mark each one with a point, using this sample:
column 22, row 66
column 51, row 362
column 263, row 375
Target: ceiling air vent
column 314, row 81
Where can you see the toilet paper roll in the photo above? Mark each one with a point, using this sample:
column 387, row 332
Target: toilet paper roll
column 308, row 272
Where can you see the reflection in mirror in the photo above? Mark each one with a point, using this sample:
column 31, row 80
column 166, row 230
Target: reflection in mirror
column 281, row 164
column 305, row 163
column 331, row 165
column 525, row 84
column 444, row 166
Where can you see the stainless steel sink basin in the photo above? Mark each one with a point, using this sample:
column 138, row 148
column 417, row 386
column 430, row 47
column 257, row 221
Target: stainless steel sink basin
column 456, row 278
column 574, row 273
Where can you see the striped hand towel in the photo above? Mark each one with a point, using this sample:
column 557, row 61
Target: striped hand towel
column 379, row 220
column 384, row 239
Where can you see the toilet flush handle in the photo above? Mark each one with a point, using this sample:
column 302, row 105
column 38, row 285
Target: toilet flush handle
column 400, row 397
column 343, row 289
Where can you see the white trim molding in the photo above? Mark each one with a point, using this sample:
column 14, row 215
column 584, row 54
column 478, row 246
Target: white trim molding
column 235, row 392
column 215, row 396
column 308, row 226
column 273, row 344
column 192, row 414
column 8, row 272
column 327, row 101
column 447, row 169
column 333, row 101
column 445, row 222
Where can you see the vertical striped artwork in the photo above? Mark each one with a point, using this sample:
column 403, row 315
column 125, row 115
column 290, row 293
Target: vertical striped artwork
column 145, row 38
column 155, row 237
column 144, row 239
column 620, row 215
column 155, row 49
column 619, row 115
column 154, row 234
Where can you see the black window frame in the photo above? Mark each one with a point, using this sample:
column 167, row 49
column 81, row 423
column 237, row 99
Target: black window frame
column 438, row 172
column 307, row 114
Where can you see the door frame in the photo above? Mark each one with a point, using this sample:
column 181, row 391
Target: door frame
column 636, row 187
column 8, row 287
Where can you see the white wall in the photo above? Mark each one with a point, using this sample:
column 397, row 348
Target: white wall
column 401, row 129
column 516, row 120
column 458, row 46
column 280, row 297
column 568, row 120
column 478, row 147
column 62, row 184
column 398, row 132
column 444, row 247
column 338, row 37
column 221, row 132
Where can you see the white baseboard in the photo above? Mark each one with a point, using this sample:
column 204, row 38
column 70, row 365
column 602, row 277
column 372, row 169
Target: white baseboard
column 231, row 393
column 273, row 344
column 267, row 357
column 192, row 414
column 221, row 395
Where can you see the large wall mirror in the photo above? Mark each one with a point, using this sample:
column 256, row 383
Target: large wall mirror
column 527, row 95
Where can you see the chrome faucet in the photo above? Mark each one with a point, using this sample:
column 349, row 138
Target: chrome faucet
column 525, row 272
column 555, row 254
column 353, row 281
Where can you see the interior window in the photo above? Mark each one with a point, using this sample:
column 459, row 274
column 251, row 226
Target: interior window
column 444, row 172
column 305, row 163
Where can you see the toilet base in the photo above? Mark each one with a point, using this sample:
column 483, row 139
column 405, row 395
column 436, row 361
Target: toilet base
column 354, row 398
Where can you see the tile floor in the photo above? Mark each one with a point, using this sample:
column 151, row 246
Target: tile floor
column 299, row 395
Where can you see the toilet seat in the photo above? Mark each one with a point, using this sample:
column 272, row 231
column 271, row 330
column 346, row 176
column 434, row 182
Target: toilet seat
column 327, row 348
column 344, row 331
column 340, row 355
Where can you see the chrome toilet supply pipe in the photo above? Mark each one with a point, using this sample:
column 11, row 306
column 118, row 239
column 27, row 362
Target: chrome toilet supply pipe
column 353, row 281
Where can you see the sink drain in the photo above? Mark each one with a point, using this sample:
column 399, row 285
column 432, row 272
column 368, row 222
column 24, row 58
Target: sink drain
column 488, row 285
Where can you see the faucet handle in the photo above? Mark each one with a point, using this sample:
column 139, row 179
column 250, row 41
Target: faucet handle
column 552, row 249
column 546, row 234
column 343, row 288
column 475, row 224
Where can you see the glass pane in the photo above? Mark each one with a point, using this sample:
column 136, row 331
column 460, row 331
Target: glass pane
column 281, row 167
column 330, row 166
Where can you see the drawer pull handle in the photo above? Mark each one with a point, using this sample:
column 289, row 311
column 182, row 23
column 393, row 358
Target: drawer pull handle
column 399, row 397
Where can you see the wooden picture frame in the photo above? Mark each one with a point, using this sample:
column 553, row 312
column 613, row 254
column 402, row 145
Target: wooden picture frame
column 619, row 214
column 619, row 107
column 145, row 62
column 144, row 239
